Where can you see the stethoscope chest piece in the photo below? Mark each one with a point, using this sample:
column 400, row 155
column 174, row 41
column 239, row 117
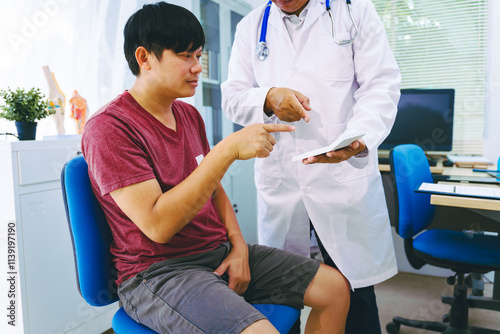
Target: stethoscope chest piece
column 262, row 51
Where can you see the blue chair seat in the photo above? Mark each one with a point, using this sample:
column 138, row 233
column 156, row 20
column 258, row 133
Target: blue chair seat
column 122, row 323
column 281, row 316
column 477, row 250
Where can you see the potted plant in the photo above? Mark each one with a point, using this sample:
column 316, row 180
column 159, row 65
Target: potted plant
column 25, row 108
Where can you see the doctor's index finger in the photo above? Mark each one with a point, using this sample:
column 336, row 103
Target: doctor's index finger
column 304, row 100
column 301, row 105
column 278, row 128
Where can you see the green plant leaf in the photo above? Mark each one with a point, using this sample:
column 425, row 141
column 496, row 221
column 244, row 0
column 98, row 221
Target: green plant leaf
column 24, row 106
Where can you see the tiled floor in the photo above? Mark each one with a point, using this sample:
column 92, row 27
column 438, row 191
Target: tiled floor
column 419, row 297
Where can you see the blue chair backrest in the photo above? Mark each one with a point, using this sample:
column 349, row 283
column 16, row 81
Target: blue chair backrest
column 90, row 234
column 410, row 168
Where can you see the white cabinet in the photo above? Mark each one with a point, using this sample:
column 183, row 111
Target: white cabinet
column 44, row 292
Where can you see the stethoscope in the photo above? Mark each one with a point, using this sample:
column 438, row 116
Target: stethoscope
column 262, row 50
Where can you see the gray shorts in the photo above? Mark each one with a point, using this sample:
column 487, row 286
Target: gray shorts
column 183, row 295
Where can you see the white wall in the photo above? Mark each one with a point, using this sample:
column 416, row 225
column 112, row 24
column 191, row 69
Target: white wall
column 492, row 121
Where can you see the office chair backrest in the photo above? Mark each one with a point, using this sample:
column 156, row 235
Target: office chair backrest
column 88, row 226
column 409, row 167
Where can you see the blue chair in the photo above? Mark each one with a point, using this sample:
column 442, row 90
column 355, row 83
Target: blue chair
column 437, row 247
column 95, row 271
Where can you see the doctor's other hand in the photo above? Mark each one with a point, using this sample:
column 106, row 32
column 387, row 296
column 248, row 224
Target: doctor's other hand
column 254, row 141
column 287, row 104
column 337, row 156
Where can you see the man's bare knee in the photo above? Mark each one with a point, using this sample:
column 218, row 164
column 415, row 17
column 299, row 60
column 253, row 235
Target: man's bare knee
column 328, row 287
column 259, row 327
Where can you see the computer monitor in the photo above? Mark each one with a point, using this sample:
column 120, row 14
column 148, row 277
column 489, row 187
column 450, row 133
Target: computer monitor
column 424, row 118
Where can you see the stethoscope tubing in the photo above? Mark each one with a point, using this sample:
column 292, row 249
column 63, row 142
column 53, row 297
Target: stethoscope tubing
column 327, row 3
column 262, row 50
column 265, row 19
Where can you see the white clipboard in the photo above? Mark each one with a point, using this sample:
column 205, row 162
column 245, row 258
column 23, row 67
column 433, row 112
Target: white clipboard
column 344, row 140
column 458, row 190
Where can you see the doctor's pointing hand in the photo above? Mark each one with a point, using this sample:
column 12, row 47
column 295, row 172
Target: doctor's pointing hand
column 287, row 104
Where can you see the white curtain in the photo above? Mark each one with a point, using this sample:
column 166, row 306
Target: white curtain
column 80, row 40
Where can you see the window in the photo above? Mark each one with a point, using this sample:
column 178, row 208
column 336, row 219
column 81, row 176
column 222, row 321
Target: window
column 443, row 44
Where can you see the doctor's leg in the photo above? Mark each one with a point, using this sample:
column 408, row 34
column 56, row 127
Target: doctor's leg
column 363, row 312
column 296, row 327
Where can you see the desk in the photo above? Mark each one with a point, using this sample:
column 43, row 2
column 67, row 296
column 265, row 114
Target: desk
column 468, row 202
column 487, row 207
column 438, row 169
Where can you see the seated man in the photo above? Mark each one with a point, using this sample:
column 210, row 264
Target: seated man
column 183, row 266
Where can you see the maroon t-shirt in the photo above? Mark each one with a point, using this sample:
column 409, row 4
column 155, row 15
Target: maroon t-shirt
column 123, row 144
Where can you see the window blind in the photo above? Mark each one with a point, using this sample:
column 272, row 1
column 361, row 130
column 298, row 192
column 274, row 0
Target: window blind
column 443, row 44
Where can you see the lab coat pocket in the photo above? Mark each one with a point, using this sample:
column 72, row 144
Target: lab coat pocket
column 344, row 171
column 334, row 62
column 268, row 170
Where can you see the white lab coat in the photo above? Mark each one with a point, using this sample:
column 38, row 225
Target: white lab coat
column 350, row 87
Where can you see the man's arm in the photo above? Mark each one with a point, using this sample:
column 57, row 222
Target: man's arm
column 161, row 215
column 236, row 263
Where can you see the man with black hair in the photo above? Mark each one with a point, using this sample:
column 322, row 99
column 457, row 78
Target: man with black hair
column 183, row 265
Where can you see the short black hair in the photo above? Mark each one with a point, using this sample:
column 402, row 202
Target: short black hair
column 158, row 27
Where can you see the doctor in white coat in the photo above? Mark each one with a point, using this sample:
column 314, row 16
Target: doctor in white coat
column 324, row 89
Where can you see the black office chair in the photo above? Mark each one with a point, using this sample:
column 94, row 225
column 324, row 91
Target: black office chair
column 438, row 247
